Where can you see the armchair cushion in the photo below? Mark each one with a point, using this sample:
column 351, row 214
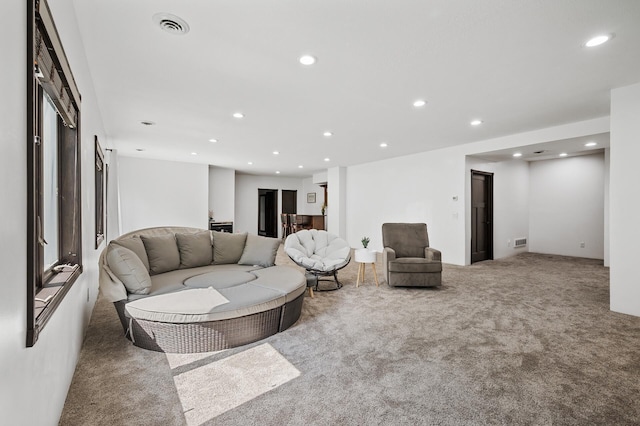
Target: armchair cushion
column 414, row 264
column 317, row 250
column 407, row 239
column 432, row 254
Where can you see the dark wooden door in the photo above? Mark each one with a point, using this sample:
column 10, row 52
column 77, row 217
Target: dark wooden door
column 289, row 201
column 268, row 212
column 481, row 216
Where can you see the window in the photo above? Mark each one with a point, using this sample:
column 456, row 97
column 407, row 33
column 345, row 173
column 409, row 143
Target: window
column 54, row 249
column 100, row 194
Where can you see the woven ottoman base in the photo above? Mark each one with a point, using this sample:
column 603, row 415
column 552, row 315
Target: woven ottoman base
column 212, row 335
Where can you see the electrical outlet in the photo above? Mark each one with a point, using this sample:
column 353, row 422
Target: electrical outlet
column 582, row 244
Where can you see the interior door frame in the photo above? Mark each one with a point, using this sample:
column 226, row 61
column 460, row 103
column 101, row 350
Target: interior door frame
column 271, row 214
column 489, row 188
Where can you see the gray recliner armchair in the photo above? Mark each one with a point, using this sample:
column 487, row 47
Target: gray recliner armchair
column 408, row 261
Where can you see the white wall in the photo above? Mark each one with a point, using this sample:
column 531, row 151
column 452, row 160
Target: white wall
column 337, row 201
column 420, row 188
column 624, row 230
column 311, row 208
column 247, row 199
column 222, row 193
column 510, row 203
column 567, row 206
column 416, row 188
column 35, row 380
column 607, row 171
column 113, row 195
column 161, row 193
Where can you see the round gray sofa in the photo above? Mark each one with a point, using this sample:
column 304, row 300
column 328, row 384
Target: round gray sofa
column 181, row 290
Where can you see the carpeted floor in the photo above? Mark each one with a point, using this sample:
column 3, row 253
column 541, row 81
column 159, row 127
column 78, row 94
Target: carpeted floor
column 523, row 340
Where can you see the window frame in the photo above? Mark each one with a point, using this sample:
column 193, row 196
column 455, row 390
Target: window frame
column 47, row 288
column 100, row 193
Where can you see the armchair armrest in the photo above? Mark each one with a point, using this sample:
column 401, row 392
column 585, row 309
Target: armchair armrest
column 432, row 254
column 388, row 255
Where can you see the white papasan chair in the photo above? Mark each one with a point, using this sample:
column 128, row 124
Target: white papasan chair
column 322, row 254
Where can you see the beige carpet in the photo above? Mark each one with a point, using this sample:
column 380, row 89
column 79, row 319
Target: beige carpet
column 524, row 340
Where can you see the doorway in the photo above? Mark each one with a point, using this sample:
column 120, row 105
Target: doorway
column 268, row 212
column 289, row 201
column 481, row 216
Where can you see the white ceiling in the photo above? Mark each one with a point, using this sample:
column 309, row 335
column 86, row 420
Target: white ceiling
column 518, row 65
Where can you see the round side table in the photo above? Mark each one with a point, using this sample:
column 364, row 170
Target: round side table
column 364, row 256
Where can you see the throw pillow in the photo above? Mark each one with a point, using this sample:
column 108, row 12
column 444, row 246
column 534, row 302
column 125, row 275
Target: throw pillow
column 227, row 247
column 260, row 251
column 195, row 249
column 163, row 253
column 127, row 266
column 135, row 245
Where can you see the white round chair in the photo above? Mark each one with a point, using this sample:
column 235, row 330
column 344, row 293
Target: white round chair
column 322, row 254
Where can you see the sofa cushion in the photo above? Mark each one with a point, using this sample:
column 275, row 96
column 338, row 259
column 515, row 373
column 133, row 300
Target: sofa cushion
column 195, row 249
column 186, row 306
column 135, row 245
column 227, row 247
column 128, row 268
column 220, row 279
column 163, row 253
column 414, row 264
column 205, row 304
column 260, row 251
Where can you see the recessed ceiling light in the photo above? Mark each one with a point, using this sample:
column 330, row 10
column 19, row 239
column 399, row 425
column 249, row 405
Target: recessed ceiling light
column 563, row 154
column 277, row 172
column 476, row 122
column 591, row 144
column 276, row 152
column 327, row 159
column 307, row 60
column 598, row 40
column 383, row 145
column 517, row 154
column 147, row 123
column 300, row 166
column 250, row 163
column 194, row 153
column 327, row 134
column 238, row 115
column 419, row 103
column 213, row 140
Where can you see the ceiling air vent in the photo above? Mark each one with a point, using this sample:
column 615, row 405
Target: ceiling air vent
column 171, row 23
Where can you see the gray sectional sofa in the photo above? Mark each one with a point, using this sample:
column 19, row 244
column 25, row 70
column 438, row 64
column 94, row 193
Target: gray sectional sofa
column 182, row 290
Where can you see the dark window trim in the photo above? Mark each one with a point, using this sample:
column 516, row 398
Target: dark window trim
column 100, row 210
column 40, row 282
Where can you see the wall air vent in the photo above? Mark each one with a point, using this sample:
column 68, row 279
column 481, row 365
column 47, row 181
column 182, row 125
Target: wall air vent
column 519, row 242
column 171, row 23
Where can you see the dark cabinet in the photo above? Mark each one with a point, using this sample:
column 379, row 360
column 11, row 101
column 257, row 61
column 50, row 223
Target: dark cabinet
column 221, row 226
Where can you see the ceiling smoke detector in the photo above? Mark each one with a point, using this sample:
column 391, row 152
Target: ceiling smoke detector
column 171, row 23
